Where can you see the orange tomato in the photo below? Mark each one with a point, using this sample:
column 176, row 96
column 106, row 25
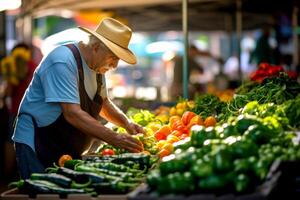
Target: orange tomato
column 176, row 133
column 162, row 153
column 172, row 138
column 210, row 121
column 196, row 120
column 173, row 119
column 168, row 146
column 181, row 105
column 163, row 132
column 63, row 159
column 173, row 111
column 180, row 111
column 187, row 116
column 160, row 144
column 176, row 124
column 165, row 129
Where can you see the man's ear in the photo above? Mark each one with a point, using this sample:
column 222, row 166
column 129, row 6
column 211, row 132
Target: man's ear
column 96, row 47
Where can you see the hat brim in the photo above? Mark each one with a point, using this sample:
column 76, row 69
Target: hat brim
column 124, row 54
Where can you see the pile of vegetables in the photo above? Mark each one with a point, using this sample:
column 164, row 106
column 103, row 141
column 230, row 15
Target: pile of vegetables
column 292, row 112
column 236, row 154
column 100, row 175
column 276, row 90
column 149, row 122
column 265, row 70
column 181, row 106
column 205, row 146
column 233, row 157
column 208, row 105
column 178, row 129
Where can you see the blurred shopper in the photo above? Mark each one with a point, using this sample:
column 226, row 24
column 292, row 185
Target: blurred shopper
column 265, row 50
column 17, row 70
column 4, row 119
column 194, row 70
column 67, row 95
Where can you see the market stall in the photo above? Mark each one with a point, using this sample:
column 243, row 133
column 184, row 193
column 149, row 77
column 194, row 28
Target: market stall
column 246, row 147
column 242, row 145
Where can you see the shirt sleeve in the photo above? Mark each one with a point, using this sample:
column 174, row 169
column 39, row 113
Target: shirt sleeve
column 60, row 84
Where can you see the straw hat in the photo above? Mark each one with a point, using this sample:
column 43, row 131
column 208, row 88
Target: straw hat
column 116, row 37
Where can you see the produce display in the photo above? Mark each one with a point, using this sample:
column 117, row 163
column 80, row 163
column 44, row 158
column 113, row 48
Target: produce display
column 233, row 157
column 205, row 145
column 113, row 174
column 254, row 129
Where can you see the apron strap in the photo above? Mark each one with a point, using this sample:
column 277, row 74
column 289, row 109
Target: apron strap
column 77, row 56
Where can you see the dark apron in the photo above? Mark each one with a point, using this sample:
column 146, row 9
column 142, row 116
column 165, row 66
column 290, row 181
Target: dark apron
column 61, row 137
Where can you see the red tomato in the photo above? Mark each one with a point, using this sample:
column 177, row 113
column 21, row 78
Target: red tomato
column 107, row 152
column 196, row 120
column 187, row 116
column 160, row 136
column 162, row 133
column 176, row 124
column 182, row 129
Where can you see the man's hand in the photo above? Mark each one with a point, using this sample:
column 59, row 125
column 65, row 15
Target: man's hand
column 134, row 129
column 88, row 125
column 126, row 141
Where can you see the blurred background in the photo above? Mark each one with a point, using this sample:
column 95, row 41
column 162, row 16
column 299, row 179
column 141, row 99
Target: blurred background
column 227, row 39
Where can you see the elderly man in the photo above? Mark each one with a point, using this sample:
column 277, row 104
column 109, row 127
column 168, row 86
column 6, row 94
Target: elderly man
column 60, row 110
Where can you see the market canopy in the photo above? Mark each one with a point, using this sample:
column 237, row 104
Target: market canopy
column 162, row 15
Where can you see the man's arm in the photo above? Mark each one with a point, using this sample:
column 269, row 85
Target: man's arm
column 88, row 125
column 113, row 114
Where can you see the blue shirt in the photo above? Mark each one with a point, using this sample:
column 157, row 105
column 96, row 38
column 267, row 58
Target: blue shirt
column 54, row 81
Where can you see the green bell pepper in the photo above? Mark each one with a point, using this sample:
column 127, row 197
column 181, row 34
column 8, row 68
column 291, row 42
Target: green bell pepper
column 198, row 136
column 176, row 183
column 241, row 182
column 222, row 159
column 212, row 182
column 174, row 163
column 202, row 168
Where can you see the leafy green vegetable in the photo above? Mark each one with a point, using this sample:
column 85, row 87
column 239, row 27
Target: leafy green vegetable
column 207, row 105
column 292, row 111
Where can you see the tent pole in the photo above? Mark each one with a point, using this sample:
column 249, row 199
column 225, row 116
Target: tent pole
column 295, row 36
column 185, row 41
column 239, row 35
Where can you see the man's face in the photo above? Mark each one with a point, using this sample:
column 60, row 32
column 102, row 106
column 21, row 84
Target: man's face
column 104, row 60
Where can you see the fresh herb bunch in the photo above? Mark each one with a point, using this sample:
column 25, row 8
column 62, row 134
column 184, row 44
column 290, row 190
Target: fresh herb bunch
column 292, row 112
column 208, row 105
column 275, row 89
